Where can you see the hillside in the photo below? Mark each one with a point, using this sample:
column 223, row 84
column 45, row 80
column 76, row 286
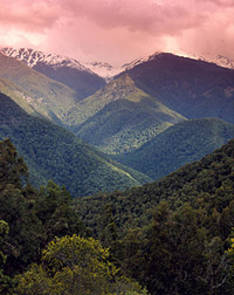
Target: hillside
column 54, row 153
column 121, row 117
column 48, row 97
column 209, row 180
column 62, row 69
column 18, row 95
column 194, row 88
column 187, row 236
column 181, row 143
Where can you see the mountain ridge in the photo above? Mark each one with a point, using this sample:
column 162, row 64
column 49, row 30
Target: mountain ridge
column 52, row 152
column 68, row 71
column 193, row 88
column 32, row 57
column 180, row 144
column 49, row 97
column 121, row 116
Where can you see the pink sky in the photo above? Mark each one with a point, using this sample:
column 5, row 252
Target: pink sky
column 118, row 31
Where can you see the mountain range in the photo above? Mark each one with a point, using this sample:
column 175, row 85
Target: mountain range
column 47, row 97
column 66, row 70
column 121, row 117
column 51, row 152
column 155, row 115
column 136, row 153
column 194, row 88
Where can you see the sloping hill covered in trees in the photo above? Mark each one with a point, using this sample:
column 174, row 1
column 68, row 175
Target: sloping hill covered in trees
column 59, row 68
column 184, row 239
column 178, row 145
column 193, row 88
column 121, row 117
column 51, row 152
column 172, row 235
column 210, row 179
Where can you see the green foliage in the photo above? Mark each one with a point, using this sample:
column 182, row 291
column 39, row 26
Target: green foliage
column 182, row 249
column 12, row 168
column 230, row 253
column 6, row 282
column 172, row 235
column 208, row 182
column 54, row 153
column 34, row 217
column 178, row 145
column 54, row 209
column 121, row 117
column 74, row 265
column 4, row 230
column 44, row 95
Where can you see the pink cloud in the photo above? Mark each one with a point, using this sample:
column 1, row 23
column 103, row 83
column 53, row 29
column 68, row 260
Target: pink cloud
column 119, row 30
column 29, row 15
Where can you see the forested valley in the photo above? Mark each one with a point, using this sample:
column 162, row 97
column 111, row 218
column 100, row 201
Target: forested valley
column 173, row 236
column 118, row 185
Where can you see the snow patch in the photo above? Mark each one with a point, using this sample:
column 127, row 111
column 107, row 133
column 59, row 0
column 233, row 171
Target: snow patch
column 104, row 69
column 32, row 57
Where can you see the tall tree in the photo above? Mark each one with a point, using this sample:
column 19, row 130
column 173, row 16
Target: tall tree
column 13, row 170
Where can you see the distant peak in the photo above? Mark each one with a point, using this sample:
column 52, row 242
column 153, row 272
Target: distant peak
column 123, row 80
column 32, row 57
column 143, row 59
column 219, row 59
column 104, row 69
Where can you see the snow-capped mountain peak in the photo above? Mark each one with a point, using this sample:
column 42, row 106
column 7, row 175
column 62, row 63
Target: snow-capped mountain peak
column 104, row 69
column 33, row 57
column 108, row 71
column 224, row 61
column 140, row 60
column 220, row 60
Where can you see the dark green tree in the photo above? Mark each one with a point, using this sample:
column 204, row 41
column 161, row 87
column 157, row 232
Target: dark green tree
column 6, row 283
column 13, row 170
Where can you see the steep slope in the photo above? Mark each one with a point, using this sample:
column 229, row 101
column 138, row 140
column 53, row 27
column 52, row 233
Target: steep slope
column 220, row 60
column 121, row 117
column 46, row 96
column 209, row 180
column 175, row 230
column 224, row 61
column 194, row 88
column 66, row 70
column 18, row 95
column 54, row 153
column 180, row 144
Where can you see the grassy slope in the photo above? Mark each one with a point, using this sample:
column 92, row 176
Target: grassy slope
column 17, row 94
column 46, row 96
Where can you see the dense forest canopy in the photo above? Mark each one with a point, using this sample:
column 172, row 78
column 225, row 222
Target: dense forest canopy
column 174, row 236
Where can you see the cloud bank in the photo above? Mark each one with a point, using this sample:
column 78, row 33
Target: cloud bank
column 119, row 30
